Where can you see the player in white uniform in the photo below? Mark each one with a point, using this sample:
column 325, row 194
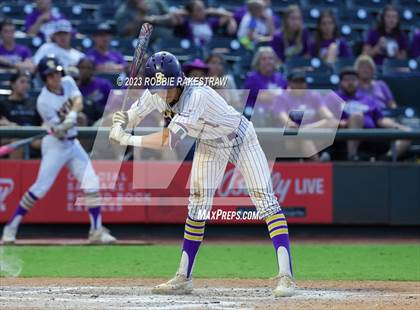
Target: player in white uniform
column 58, row 104
column 222, row 136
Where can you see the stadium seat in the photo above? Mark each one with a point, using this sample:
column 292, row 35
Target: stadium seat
column 13, row 11
column 81, row 44
column 5, row 78
column 399, row 66
column 74, row 13
column 326, row 4
column 279, row 6
column 406, row 89
column 124, row 46
column 412, row 5
column 309, row 65
column 106, row 13
column 32, row 43
column 358, row 19
column 321, row 80
column 371, row 4
column 342, row 63
column 184, row 49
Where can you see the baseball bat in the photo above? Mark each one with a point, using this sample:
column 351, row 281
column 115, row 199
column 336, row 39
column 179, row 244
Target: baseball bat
column 138, row 58
column 13, row 146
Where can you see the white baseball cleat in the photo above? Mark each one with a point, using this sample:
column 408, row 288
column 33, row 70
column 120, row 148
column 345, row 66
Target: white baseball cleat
column 9, row 235
column 101, row 236
column 178, row 285
column 285, row 287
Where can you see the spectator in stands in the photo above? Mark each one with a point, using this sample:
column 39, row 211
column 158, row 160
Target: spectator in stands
column 415, row 45
column 293, row 39
column 201, row 22
column 387, row 40
column 216, row 64
column 366, row 69
column 195, row 68
column 256, row 25
column 18, row 109
column 264, row 77
column 38, row 21
column 60, row 45
column 132, row 14
column 106, row 60
column 12, row 55
column 240, row 12
column 299, row 107
column 363, row 111
column 95, row 90
column 298, row 98
column 328, row 45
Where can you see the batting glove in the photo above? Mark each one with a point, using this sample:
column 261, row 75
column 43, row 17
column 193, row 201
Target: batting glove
column 118, row 134
column 120, row 117
column 61, row 129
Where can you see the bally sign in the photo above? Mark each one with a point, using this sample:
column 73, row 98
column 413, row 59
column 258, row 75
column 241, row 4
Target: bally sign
column 304, row 190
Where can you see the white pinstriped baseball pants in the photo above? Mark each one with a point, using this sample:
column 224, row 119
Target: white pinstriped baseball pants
column 209, row 164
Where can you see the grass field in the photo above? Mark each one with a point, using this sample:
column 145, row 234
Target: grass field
column 311, row 262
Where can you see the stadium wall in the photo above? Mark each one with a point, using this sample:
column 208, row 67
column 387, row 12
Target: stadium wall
column 310, row 193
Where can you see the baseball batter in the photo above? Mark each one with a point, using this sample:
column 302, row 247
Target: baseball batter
column 222, row 136
column 58, row 104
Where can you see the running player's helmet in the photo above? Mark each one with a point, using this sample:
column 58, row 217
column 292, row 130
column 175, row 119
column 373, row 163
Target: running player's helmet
column 49, row 64
column 163, row 66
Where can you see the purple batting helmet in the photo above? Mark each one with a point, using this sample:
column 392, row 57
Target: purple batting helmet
column 164, row 66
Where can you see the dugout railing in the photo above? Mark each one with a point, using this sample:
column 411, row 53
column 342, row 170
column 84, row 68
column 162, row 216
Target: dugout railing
column 390, row 135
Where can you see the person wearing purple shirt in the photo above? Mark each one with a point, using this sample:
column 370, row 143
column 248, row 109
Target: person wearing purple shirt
column 95, row 90
column 13, row 55
column 37, row 21
column 363, row 111
column 202, row 22
column 264, row 83
column 327, row 44
column 299, row 107
column 293, row 39
column 366, row 68
column 415, row 45
column 387, row 40
column 106, row 60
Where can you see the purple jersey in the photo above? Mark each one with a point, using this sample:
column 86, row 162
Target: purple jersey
column 380, row 91
column 18, row 54
column 394, row 43
column 97, row 90
column 358, row 103
column 110, row 57
column 307, row 105
column 95, row 94
column 415, row 45
column 343, row 48
column 283, row 52
column 256, row 81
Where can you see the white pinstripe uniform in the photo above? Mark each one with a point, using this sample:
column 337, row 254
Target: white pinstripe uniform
column 57, row 153
column 223, row 135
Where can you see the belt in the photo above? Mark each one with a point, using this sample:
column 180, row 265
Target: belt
column 228, row 138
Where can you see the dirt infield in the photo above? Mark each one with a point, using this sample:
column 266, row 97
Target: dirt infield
column 50, row 293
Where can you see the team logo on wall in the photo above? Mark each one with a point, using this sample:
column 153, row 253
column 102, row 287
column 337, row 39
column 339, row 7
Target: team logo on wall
column 6, row 187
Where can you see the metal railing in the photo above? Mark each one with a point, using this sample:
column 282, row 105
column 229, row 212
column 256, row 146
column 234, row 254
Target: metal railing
column 390, row 135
